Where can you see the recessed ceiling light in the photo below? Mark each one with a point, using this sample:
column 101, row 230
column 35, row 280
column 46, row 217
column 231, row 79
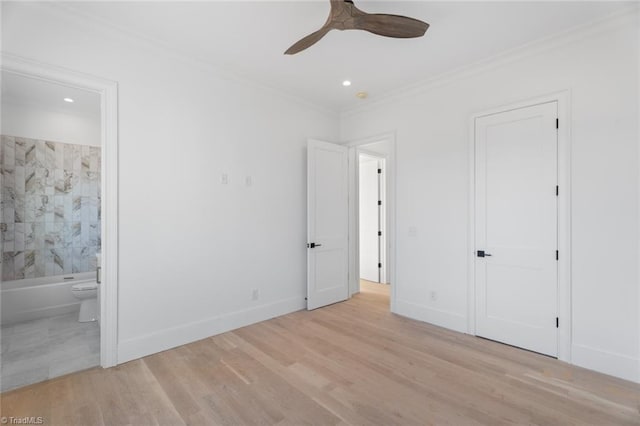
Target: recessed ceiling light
column 362, row 95
column 68, row 100
column 346, row 83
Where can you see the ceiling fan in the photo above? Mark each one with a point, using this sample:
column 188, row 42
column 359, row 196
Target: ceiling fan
column 345, row 16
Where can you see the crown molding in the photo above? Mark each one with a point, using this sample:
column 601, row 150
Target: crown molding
column 109, row 30
column 612, row 21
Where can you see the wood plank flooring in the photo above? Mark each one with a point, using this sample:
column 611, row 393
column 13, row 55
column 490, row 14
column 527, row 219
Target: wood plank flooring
column 352, row 363
column 374, row 287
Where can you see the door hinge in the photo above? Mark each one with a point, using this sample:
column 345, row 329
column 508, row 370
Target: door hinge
column 557, row 190
column 557, row 123
column 379, row 265
column 379, row 202
column 557, row 255
column 379, row 171
column 557, row 322
column 379, row 233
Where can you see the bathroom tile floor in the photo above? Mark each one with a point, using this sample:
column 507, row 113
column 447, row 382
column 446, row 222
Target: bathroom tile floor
column 38, row 350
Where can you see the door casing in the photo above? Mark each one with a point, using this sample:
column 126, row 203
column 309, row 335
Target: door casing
column 564, row 216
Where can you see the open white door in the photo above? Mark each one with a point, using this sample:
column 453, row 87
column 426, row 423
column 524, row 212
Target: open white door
column 327, row 224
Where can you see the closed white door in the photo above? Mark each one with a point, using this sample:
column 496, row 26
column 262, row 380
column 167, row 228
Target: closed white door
column 516, row 227
column 327, row 224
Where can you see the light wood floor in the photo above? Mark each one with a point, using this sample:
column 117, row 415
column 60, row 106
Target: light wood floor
column 373, row 287
column 349, row 363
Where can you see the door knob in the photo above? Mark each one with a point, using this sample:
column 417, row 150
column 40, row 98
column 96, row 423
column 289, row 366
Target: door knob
column 481, row 253
column 313, row 245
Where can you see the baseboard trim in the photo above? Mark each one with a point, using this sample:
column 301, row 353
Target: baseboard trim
column 439, row 317
column 177, row 336
column 613, row 364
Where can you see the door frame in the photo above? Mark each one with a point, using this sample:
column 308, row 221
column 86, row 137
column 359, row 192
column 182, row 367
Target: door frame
column 108, row 91
column 564, row 215
column 390, row 219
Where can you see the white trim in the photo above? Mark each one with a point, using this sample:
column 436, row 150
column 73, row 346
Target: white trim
column 614, row 20
column 108, row 91
column 390, row 225
column 439, row 317
column 564, row 216
column 162, row 340
column 637, row 376
column 614, row 364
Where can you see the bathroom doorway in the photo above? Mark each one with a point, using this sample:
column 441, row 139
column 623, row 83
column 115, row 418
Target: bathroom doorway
column 56, row 316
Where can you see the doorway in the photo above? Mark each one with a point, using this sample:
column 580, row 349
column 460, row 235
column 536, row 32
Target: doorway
column 371, row 161
column 105, row 267
column 516, row 222
column 372, row 222
column 51, row 151
column 333, row 259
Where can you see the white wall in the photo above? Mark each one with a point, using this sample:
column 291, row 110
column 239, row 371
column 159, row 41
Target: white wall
column 29, row 121
column 191, row 249
column 432, row 135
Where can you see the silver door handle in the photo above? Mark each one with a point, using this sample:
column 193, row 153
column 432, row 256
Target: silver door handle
column 313, row 245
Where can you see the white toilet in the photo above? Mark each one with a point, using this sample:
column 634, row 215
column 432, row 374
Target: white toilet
column 88, row 294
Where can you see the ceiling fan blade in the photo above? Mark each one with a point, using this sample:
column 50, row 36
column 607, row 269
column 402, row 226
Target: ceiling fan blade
column 307, row 41
column 391, row 25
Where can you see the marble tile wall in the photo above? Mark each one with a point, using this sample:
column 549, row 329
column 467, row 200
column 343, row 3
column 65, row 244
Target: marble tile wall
column 50, row 204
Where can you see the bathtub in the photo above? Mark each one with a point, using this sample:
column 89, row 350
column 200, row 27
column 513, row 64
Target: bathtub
column 34, row 298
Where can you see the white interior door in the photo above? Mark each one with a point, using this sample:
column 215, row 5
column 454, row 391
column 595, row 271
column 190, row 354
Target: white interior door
column 516, row 227
column 327, row 224
column 369, row 218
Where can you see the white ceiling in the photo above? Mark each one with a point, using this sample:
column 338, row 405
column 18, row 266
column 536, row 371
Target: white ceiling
column 248, row 38
column 45, row 95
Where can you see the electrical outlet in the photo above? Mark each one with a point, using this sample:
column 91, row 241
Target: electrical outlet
column 255, row 294
column 248, row 181
column 224, row 179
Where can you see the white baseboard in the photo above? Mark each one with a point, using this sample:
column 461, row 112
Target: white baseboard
column 176, row 336
column 618, row 365
column 442, row 318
